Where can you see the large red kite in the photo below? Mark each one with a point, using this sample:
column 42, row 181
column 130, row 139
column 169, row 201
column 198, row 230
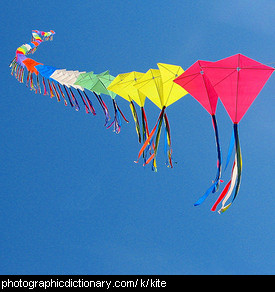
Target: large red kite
column 237, row 80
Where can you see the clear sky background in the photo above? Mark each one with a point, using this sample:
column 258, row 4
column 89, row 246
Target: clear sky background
column 72, row 199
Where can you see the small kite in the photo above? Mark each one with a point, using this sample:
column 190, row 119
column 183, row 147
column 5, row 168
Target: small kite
column 20, row 62
column 60, row 82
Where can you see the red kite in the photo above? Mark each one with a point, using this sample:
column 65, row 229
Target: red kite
column 237, row 80
column 195, row 82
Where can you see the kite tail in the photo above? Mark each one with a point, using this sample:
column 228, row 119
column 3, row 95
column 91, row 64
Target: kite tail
column 44, row 85
column 168, row 150
column 135, row 116
column 22, row 75
column 104, row 107
column 55, row 90
column 32, row 86
column 92, row 109
column 12, row 62
column 68, row 95
column 84, row 102
column 28, row 78
column 216, row 183
column 230, row 149
column 123, row 116
column 38, row 84
column 51, row 90
column 235, row 176
column 16, row 70
column 239, row 161
column 62, row 93
column 145, row 129
column 17, row 73
column 116, row 122
column 227, row 191
column 77, row 108
column 145, row 132
column 13, row 65
column 154, row 155
column 147, row 144
column 219, row 160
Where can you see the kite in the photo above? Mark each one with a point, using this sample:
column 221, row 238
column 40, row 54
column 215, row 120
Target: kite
column 20, row 62
column 59, row 82
column 197, row 84
column 123, row 85
column 68, row 79
column 104, row 79
column 237, row 80
column 158, row 86
column 98, row 83
column 84, row 80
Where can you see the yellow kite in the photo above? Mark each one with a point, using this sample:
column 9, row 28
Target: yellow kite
column 158, row 86
column 123, row 86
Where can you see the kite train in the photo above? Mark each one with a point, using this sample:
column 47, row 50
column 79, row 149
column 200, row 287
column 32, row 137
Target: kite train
column 236, row 81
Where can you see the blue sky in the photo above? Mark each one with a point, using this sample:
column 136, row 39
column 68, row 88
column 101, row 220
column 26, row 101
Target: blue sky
column 72, row 199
